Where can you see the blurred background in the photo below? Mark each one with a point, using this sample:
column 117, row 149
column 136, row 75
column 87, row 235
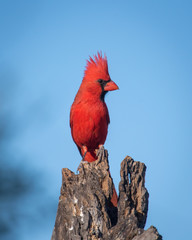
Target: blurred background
column 43, row 50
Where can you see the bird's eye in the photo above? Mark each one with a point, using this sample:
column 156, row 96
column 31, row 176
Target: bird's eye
column 101, row 81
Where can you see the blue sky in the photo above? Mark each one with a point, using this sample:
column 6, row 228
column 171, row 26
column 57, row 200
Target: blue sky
column 43, row 52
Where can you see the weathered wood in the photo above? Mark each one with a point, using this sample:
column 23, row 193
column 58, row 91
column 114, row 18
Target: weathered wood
column 85, row 210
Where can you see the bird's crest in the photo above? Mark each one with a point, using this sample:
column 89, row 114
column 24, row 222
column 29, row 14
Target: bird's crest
column 97, row 67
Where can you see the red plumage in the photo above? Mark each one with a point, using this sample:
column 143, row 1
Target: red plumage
column 89, row 117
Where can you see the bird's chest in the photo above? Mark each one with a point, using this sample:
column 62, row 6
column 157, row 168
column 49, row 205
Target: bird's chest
column 91, row 123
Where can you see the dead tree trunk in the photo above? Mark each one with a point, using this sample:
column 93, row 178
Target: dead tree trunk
column 85, row 210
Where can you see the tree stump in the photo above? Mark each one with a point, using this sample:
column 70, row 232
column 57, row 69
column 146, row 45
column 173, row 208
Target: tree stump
column 85, row 210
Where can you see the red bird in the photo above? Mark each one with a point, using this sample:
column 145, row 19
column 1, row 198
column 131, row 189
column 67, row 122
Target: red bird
column 89, row 117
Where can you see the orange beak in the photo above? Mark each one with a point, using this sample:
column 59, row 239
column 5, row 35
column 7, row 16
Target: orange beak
column 111, row 86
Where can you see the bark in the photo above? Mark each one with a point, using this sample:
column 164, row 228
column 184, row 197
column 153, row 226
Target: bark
column 85, row 210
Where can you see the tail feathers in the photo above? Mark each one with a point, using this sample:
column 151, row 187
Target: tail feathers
column 114, row 198
column 90, row 156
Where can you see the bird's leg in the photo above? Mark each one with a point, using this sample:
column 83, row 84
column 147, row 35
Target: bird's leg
column 83, row 152
column 100, row 153
column 81, row 163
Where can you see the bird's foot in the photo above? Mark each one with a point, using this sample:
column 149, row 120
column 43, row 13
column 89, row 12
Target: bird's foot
column 80, row 165
column 100, row 153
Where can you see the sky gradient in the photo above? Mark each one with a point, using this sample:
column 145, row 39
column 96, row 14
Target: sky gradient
column 43, row 52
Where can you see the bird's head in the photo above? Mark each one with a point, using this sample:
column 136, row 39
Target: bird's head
column 96, row 78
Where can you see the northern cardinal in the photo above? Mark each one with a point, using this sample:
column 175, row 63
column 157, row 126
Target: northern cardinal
column 89, row 117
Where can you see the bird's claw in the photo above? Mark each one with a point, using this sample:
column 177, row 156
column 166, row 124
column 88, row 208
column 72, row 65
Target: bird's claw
column 82, row 161
column 100, row 154
column 80, row 165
